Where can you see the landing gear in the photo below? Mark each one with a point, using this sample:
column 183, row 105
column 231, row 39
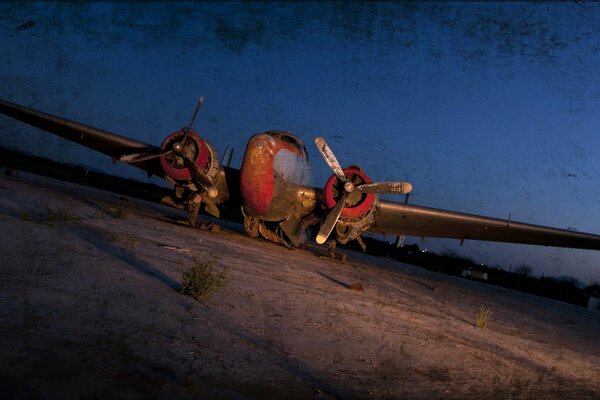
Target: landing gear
column 271, row 231
column 185, row 198
column 251, row 225
column 194, row 203
column 332, row 254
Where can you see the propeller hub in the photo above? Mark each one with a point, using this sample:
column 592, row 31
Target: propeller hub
column 349, row 187
column 212, row 192
column 178, row 147
column 357, row 203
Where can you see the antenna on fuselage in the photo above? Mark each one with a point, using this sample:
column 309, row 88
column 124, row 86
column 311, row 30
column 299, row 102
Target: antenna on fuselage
column 227, row 155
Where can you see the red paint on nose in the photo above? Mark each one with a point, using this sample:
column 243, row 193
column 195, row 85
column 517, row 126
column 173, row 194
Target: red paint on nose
column 256, row 177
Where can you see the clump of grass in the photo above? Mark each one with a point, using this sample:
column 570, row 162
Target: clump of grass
column 51, row 215
column 121, row 211
column 24, row 216
column 200, row 280
column 57, row 215
column 483, row 317
column 124, row 238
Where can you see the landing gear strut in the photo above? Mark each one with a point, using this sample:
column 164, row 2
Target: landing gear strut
column 331, row 253
column 271, row 231
column 191, row 200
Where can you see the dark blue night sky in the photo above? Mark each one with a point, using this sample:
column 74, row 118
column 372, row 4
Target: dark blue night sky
column 486, row 108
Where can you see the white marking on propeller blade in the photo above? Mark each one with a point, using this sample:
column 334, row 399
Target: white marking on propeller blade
column 331, row 220
column 329, row 158
column 386, row 187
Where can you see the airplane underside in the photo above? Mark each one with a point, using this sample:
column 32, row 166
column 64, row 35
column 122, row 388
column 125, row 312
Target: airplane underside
column 273, row 191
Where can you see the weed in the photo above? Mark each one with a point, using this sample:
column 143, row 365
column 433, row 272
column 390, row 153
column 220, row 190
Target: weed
column 483, row 316
column 57, row 215
column 199, row 280
column 121, row 211
column 24, row 216
column 124, row 238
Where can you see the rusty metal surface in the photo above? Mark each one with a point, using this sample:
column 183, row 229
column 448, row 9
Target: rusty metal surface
column 410, row 220
column 274, row 170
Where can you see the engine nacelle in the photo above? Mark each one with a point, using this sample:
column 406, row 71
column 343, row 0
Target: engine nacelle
column 196, row 149
column 358, row 215
column 178, row 151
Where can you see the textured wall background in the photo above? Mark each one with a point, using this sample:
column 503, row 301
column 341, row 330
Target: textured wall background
column 485, row 108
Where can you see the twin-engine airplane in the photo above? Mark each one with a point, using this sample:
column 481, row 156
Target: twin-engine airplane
column 276, row 200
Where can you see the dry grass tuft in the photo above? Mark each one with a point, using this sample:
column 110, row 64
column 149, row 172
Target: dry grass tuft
column 124, row 238
column 57, row 215
column 483, row 317
column 121, row 211
column 200, row 280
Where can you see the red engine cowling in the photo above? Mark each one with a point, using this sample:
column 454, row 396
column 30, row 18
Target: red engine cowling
column 174, row 165
column 359, row 212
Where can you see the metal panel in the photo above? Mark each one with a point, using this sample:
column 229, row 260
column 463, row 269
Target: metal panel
column 410, row 220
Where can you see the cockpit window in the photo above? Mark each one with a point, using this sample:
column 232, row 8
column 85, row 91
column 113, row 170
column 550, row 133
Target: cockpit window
column 291, row 139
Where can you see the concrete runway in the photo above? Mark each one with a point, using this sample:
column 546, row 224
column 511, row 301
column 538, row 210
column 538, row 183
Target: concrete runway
column 89, row 307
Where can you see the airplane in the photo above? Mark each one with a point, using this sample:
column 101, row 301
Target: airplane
column 272, row 191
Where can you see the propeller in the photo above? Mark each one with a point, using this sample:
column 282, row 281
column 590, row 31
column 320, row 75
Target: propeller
column 330, row 159
column 198, row 176
column 189, row 126
column 177, row 146
column 137, row 157
column 349, row 187
column 331, row 220
column 186, row 150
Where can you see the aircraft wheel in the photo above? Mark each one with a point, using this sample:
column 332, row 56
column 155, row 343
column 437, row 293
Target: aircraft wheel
column 251, row 226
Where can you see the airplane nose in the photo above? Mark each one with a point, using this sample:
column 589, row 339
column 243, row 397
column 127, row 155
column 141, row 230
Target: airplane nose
column 262, row 143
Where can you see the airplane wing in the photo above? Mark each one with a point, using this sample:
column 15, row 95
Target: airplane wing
column 139, row 154
column 410, row 220
column 392, row 218
column 105, row 142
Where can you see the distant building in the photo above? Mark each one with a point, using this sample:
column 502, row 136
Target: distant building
column 483, row 276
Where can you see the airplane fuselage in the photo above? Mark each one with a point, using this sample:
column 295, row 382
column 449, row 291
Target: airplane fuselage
column 275, row 166
column 273, row 192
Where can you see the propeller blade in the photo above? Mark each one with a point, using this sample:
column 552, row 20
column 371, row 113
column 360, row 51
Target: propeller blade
column 331, row 220
column 133, row 158
column 200, row 102
column 329, row 158
column 211, row 208
column 189, row 126
column 200, row 177
column 385, row 188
